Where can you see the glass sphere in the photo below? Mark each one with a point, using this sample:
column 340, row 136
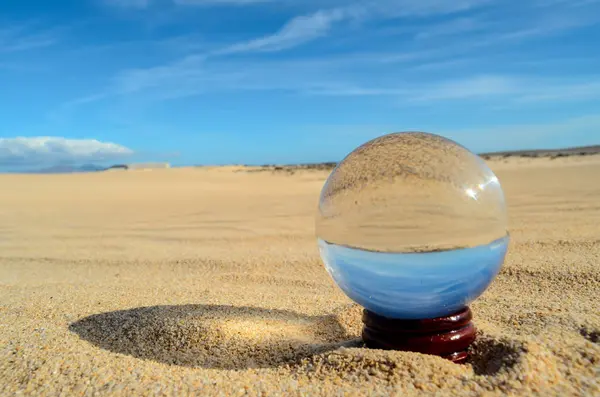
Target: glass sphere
column 412, row 225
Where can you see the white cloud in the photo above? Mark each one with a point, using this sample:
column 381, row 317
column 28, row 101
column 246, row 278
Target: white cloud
column 35, row 151
column 297, row 31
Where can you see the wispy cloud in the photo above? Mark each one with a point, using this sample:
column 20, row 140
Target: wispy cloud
column 84, row 100
column 196, row 75
column 326, row 89
column 407, row 8
column 561, row 92
column 348, row 75
column 481, row 138
column 193, row 75
column 546, row 27
column 220, row 2
column 509, row 89
column 395, row 7
column 297, row 31
column 23, row 38
column 473, row 87
column 444, row 64
column 453, row 27
column 38, row 151
column 184, row 74
column 143, row 4
column 483, row 30
column 352, row 74
column 534, row 135
column 136, row 4
column 303, row 29
column 568, row 3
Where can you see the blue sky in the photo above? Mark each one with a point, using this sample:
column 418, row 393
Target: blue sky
column 284, row 81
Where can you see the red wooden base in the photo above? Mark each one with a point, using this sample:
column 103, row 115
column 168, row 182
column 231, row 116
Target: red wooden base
column 448, row 336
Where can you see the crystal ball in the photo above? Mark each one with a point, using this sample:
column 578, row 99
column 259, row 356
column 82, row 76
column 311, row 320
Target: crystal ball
column 412, row 225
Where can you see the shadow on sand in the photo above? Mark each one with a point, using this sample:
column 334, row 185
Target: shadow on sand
column 214, row 336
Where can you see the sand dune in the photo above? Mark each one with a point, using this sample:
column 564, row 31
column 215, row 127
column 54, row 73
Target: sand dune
column 207, row 281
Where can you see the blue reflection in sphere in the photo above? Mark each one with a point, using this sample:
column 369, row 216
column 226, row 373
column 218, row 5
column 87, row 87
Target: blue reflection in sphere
column 412, row 225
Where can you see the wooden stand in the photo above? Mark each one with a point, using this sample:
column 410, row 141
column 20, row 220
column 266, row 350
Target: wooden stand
column 448, row 336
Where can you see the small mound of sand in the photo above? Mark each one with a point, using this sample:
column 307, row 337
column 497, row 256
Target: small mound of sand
column 497, row 364
column 212, row 336
column 379, row 366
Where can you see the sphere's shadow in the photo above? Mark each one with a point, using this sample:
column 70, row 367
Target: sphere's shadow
column 214, row 336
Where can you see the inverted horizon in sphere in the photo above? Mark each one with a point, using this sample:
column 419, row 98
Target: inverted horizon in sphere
column 414, row 285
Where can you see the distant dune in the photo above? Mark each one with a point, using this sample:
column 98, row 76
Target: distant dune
column 67, row 169
column 575, row 151
column 72, row 169
column 290, row 168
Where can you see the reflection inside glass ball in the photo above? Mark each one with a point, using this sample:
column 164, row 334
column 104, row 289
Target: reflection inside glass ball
column 412, row 225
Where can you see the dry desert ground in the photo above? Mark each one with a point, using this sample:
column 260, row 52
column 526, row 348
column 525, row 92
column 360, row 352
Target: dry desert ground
column 208, row 281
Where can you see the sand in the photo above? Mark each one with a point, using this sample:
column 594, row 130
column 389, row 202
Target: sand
column 208, row 281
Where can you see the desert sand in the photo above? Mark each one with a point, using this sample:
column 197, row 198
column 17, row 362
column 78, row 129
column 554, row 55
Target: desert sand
column 208, row 281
